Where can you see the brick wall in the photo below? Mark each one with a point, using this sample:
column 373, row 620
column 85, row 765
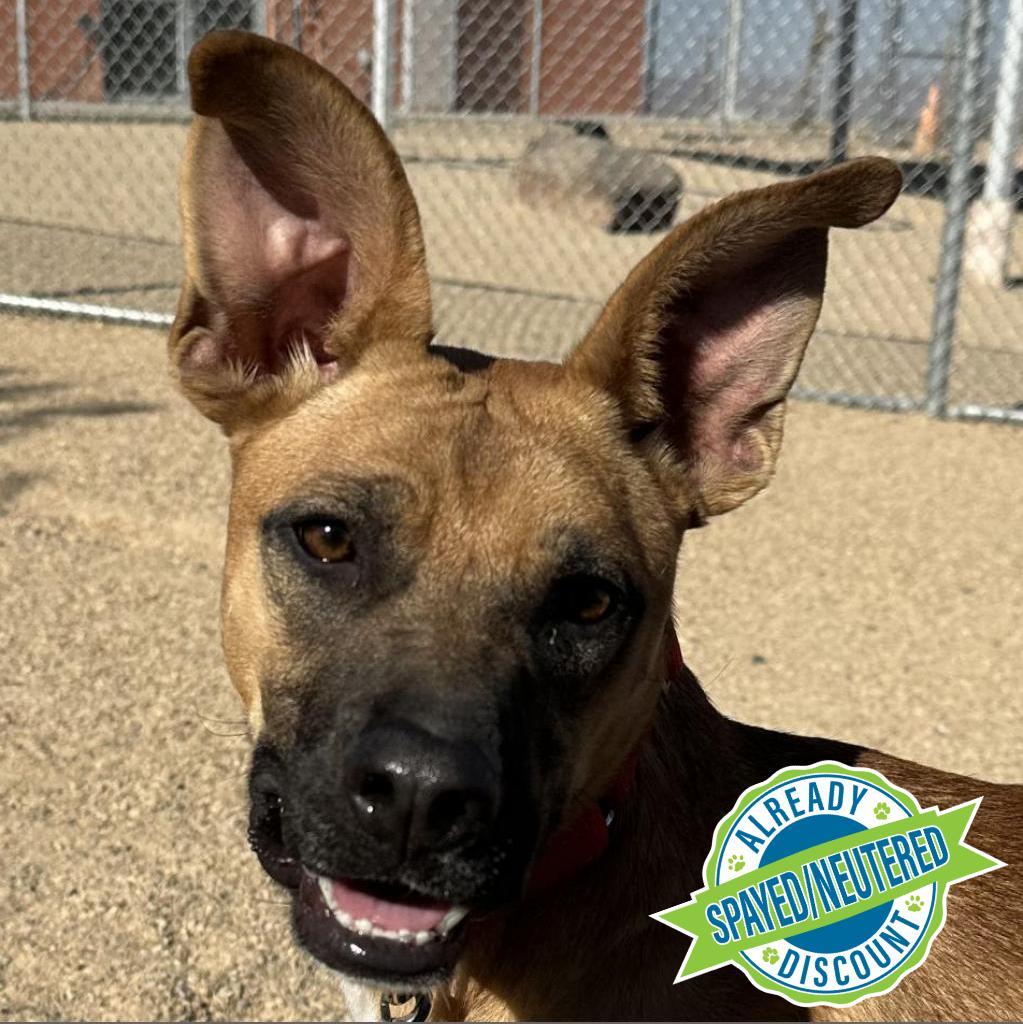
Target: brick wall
column 337, row 33
column 59, row 51
column 592, row 57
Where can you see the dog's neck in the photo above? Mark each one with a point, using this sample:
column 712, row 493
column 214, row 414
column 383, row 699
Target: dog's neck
column 588, row 948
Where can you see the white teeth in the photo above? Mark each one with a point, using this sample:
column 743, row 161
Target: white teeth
column 451, row 918
column 362, row 926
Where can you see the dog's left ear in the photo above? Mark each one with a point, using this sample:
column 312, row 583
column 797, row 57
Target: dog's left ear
column 706, row 335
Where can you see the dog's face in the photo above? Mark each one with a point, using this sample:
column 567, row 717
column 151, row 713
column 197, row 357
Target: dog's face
column 442, row 619
column 448, row 578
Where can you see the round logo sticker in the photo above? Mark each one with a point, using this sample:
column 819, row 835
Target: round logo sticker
column 826, row 884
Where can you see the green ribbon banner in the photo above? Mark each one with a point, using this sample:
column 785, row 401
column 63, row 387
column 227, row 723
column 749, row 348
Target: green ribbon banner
column 801, row 889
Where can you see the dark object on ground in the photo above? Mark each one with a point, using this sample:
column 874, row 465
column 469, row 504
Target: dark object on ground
column 590, row 129
column 577, row 170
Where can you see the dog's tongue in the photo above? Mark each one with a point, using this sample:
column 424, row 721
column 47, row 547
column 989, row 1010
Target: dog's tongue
column 393, row 917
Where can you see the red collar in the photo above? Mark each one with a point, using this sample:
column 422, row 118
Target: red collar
column 584, row 841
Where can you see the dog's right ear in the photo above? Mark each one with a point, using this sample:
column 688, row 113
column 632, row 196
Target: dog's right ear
column 302, row 237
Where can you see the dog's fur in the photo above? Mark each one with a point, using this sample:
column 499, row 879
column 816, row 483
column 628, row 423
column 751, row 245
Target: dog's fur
column 304, row 329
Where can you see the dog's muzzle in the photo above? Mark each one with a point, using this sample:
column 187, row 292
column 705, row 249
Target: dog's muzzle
column 388, row 856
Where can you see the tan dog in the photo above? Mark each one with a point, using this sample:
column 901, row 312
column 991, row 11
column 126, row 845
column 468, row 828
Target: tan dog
column 448, row 579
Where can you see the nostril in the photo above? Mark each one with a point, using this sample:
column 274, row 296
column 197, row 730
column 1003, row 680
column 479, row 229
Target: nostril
column 454, row 811
column 447, row 808
column 375, row 790
column 414, row 792
column 381, row 793
column 376, row 786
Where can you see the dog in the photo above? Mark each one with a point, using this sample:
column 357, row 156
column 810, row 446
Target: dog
column 447, row 596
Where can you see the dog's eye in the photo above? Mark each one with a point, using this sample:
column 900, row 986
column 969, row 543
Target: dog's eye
column 584, row 600
column 326, row 540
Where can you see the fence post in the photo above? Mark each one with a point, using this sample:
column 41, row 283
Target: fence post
column 1005, row 128
column 24, row 86
column 842, row 96
column 957, row 203
column 989, row 231
column 892, row 33
column 733, row 57
column 260, row 17
column 383, row 34
column 408, row 56
column 535, row 58
column 651, row 25
column 184, row 37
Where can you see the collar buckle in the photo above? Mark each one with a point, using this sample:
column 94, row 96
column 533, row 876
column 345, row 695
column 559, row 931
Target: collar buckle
column 405, row 1006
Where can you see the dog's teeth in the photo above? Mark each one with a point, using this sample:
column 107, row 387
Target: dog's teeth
column 362, row 926
column 451, row 918
column 328, row 895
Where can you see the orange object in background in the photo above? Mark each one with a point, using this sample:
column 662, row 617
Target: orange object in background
column 929, row 125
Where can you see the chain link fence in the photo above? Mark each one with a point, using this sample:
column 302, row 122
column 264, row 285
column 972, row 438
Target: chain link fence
column 550, row 143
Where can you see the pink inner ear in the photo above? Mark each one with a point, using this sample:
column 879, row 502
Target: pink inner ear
column 738, row 343
column 273, row 263
column 733, row 368
column 307, row 269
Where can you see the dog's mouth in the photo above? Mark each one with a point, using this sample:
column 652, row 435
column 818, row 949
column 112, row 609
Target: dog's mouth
column 392, row 912
column 383, row 932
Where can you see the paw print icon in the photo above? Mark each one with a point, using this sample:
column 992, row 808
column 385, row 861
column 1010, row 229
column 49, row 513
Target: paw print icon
column 914, row 903
column 771, row 955
column 736, row 862
column 881, row 811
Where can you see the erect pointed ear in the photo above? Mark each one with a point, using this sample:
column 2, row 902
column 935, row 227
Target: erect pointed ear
column 302, row 237
column 705, row 337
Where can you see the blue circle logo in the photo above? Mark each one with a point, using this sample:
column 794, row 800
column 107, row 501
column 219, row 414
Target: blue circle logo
column 826, row 884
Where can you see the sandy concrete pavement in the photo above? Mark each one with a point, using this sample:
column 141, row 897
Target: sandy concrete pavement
column 875, row 593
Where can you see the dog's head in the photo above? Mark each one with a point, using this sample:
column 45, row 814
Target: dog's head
column 448, row 578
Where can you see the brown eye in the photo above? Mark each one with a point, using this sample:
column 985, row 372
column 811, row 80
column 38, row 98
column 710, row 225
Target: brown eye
column 585, row 600
column 598, row 604
column 326, row 540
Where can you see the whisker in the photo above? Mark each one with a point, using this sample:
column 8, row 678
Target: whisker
column 721, row 671
column 214, row 718
column 236, row 726
column 228, row 734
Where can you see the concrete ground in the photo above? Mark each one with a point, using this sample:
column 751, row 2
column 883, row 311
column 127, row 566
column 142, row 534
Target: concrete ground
column 874, row 593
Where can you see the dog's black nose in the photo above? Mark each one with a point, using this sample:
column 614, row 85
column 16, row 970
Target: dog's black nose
column 416, row 792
